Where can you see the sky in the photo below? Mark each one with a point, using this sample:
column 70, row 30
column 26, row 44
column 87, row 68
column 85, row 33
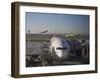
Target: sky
column 36, row 23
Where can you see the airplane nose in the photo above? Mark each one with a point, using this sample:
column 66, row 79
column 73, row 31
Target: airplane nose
column 59, row 54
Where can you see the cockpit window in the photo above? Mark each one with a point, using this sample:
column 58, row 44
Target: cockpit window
column 62, row 48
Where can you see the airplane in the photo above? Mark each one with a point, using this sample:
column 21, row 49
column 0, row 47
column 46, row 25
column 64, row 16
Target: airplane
column 44, row 31
column 59, row 47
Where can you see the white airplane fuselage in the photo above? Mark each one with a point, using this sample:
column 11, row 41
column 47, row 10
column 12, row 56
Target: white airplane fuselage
column 59, row 47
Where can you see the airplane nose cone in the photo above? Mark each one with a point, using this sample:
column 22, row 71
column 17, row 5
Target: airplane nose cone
column 59, row 54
